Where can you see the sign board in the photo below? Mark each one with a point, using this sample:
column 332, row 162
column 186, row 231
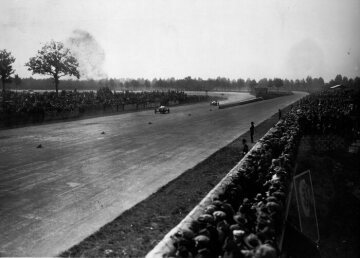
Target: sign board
column 306, row 205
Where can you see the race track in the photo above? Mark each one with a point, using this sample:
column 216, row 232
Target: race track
column 53, row 197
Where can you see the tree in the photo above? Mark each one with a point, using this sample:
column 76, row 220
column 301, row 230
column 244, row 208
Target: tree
column 6, row 70
column 270, row 83
column 308, row 84
column 309, row 81
column 56, row 60
column 253, row 84
column 303, row 84
column 278, row 83
column 263, row 83
column 345, row 81
column 287, row 84
column 248, row 83
column 17, row 80
column 240, row 83
column 338, row 79
column 317, row 84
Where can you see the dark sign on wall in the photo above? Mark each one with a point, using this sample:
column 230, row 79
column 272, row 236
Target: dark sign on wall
column 306, row 205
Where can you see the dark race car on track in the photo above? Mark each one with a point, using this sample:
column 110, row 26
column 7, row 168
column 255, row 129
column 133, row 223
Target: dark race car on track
column 214, row 103
column 162, row 110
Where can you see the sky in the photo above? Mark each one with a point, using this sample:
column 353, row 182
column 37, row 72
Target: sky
column 198, row 38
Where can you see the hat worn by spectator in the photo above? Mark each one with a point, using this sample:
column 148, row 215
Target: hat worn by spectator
column 258, row 197
column 205, row 232
column 272, row 198
column 185, row 233
column 258, row 205
column 246, row 200
column 278, row 169
column 247, row 253
column 227, row 208
column 238, row 237
column 185, row 245
column 279, row 195
column 252, row 241
column 272, row 189
column 275, row 162
column 240, row 219
column 238, row 233
column 206, row 218
column 266, row 234
column 182, row 251
column 223, row 225
column 273, row 206
column 219, row 215
column 202, row 239
column 196, row 225
column 235, row 227
column 217, row 203
column 265, row 251
column 210, row 209
column 275, row 177
column 204, row 252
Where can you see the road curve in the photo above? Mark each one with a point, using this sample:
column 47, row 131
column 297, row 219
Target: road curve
column 53, row 197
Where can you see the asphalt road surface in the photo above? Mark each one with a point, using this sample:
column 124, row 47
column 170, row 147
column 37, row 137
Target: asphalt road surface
column 53, row 197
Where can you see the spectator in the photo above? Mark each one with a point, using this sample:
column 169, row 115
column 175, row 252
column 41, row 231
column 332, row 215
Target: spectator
column 248, row 214
column 252, row 131
column 35, row 106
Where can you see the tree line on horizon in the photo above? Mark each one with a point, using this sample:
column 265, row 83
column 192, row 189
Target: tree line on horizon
column 57, row 61
column 187, row 84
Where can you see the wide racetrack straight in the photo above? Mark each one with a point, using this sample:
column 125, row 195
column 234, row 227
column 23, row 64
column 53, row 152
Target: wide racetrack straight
column 53, row 197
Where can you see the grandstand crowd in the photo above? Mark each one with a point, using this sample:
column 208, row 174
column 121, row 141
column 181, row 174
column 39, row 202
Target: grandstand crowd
column 246, row 219
column 37, row 105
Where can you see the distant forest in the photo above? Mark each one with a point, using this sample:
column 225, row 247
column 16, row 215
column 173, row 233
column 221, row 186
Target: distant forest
column 187, row 84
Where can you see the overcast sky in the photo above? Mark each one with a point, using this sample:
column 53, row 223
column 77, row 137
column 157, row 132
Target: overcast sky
column 198, row 38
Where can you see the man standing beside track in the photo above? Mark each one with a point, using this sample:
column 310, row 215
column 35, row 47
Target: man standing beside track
column 279, row 112
column 252, row 131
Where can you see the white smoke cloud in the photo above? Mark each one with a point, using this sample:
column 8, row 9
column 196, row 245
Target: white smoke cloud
column 89, row 53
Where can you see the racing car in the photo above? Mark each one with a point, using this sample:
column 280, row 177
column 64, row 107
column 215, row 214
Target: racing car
column 162, row 110
column 214, row 103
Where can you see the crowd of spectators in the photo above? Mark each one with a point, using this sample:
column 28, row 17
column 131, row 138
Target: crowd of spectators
column 246, row 218
column 327, row 112
column 39, row 104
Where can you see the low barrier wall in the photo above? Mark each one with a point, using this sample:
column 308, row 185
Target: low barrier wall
column 130, row 107
column 173, row 102
column 153, row 105
column 51, row 116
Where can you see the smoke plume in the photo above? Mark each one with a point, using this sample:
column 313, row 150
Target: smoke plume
column 89, row 53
